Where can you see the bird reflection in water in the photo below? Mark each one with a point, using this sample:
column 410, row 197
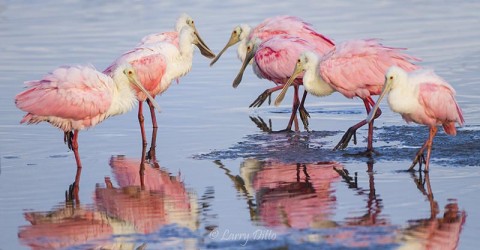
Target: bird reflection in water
column 119, row 216
column 290, row 198
column 164, row 199
column 434, row 232
column 284, row 195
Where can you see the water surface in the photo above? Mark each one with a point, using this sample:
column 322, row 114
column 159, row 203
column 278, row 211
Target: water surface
column 221, row 181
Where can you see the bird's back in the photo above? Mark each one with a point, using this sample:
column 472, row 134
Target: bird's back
column 437, row 99
column 150, row 63
column 292, row 26
column 357, row 67
column 275, row 58
column 168, row 36
column 70, row 97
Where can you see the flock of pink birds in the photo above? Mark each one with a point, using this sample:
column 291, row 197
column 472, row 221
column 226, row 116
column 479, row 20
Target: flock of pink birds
column 284, row 49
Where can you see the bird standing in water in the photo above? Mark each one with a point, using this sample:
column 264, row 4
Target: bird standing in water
column 354, row 68
column 247, row 37
column 74, row 98
column 425, row 98
column 157, row 65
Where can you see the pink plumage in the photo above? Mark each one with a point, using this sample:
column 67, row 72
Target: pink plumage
column 353, row 68
column 275, row 58
column 425, row 98
column 150, row 65
column 291, row 26
column 357, row 67
column 277, row 43
column 168, row 36
column 70, row 98
column 74, row 98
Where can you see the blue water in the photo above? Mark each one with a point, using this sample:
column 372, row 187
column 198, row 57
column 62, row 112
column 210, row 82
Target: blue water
column 222, row 182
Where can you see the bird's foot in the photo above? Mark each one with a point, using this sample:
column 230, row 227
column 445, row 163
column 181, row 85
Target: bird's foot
column 369, row 152
column 287, row 130
column 420, row 159
column 68, row 139
column 304, row 115
column 343, row 143
column 261, row 99
column 71, row 195
column 151, row 154
column 261, row 124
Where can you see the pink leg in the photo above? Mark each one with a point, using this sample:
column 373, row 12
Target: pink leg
column 368, row 102
column 151, row 153
column 141, row 120
column 295, row 105
column 76, row 185
column 142, row 166
column 266, row 94
column 304, row 115
column 419, row 158
column 433, row 132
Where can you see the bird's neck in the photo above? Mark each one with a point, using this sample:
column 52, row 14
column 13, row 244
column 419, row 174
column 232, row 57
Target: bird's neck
column 123, row 97
column 182, row 62
column 242, row 50
column 315, row 84
column 403, row 98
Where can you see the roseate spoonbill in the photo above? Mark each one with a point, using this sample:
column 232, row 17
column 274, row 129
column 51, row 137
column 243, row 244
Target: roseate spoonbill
column 274, row 59
column 422, row 97
column 173, row 36
column 74, row 98
column 279, row 25
column 355, row 69
column 158, row 64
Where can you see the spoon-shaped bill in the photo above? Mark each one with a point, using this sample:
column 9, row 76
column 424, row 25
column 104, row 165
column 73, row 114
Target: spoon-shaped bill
column 133, row 78
column 233, row 40
column 297, row 71
column 248, row 58
column 386, row 88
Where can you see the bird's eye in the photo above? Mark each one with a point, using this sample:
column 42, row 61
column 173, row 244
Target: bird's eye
column 391, row 77
column 234, row 32
column 192, row 22
column 130, row 72
column 298, row 61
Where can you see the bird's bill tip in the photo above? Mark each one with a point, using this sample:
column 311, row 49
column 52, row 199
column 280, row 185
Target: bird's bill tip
column 204, row 49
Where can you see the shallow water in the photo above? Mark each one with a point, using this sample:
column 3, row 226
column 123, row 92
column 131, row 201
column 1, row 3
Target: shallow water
column 221, row 181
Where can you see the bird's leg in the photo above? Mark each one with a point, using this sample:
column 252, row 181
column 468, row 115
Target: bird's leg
column 293, row 117
column 304, row 115
column 433, row 132
column 343, row 143
column 369, row 103
column 419, row 158
column 151, row 153
column 76, row 184
column 261, row 124
column 141, row 120
column 67, row 139
column 142, row 166
column 262, row 97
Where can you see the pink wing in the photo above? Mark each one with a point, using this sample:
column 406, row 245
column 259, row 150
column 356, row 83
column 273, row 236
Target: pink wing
column 169, row 36
column 150, row 70
column 357, row 68
column 275, row 58
column 149, row 64
column 292, row 26
column 440, row 105
column 76, row 92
